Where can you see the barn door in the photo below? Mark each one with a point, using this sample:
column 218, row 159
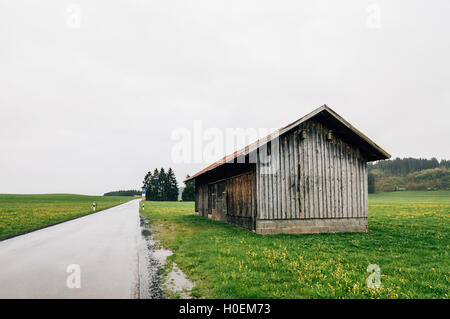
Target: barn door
column 201, row 194
column 217, row 201
column 240, row 199
column 211, row 199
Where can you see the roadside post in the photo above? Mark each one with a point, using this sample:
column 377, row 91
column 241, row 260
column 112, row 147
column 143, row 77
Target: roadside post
column 143, row 206
column 93, row 207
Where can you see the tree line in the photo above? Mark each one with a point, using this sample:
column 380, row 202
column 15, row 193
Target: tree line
column 161, row 186
column 188, row 194
column 404, row 166
column 131, row 192
column 408, row 174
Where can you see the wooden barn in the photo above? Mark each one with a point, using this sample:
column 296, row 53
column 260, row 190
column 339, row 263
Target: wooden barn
column 307, row 177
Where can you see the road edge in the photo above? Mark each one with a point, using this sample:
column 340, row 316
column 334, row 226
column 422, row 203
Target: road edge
column 64, row 221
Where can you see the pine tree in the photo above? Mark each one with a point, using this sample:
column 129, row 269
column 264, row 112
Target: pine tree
column 189, row 191
column 162, row 185
column 152, row 188
column 146, row 181
column 172, row 186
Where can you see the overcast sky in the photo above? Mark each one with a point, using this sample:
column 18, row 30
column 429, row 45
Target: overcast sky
column 89, row 102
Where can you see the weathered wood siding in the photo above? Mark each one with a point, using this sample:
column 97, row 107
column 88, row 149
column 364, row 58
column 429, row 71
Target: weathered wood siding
column 311, row 177
column 232, row 199
column 241, row 203
column 201, row 199
column 240, row 195
column 218, row 200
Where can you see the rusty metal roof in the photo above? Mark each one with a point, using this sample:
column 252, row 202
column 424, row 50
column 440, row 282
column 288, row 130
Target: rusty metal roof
column 375, row 152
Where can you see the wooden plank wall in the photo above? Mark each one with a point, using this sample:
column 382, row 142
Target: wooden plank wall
column 312, row 177
column 240, row 195
column 217, row 200
column 201, row 199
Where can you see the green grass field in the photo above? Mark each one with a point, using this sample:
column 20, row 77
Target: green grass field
column 22, row 213
column 409, row 240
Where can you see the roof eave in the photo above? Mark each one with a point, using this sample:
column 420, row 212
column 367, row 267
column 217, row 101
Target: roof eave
column 250, row 148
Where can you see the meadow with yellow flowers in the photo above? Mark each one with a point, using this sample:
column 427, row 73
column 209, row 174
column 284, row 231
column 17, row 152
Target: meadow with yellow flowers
column 409, row 240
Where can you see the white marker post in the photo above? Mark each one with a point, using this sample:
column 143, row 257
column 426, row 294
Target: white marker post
column 93, row 207
column 143, row 206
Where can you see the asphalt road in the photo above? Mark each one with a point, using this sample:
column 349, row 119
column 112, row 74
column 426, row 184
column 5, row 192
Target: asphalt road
column 90, row 257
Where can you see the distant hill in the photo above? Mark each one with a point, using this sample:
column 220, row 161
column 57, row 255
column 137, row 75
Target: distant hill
column 130, row 192
column 409, row 174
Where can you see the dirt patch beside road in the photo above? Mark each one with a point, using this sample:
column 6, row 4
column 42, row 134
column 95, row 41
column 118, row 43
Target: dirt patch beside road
column 152, row 259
